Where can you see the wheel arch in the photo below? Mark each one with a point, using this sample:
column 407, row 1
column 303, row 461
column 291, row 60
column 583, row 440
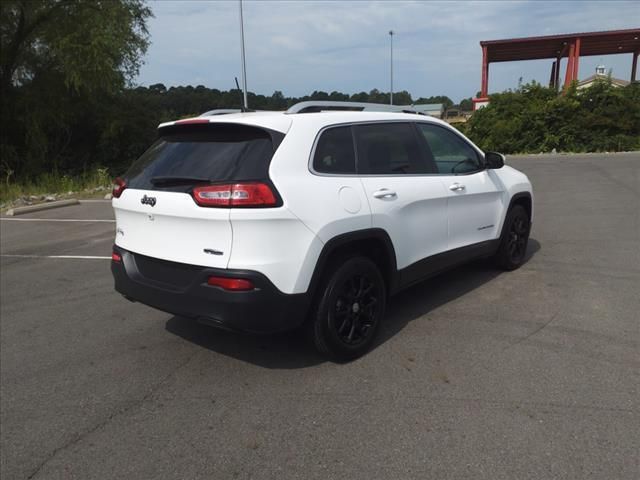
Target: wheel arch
column 524, row 199
column 373, row 243
column 520, row 198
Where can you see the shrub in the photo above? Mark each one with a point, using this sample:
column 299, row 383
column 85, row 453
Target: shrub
column 534, row 118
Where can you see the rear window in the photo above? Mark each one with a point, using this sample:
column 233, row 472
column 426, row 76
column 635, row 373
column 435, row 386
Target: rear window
column 184, row 156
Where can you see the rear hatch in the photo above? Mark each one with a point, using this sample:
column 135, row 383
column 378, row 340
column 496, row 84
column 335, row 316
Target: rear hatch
column 157, row 212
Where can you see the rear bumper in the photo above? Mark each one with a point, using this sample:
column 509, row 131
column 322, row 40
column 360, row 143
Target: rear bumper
column 182, row 290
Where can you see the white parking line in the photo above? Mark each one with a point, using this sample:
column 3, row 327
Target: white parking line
column 79, row 257
column 55, row 220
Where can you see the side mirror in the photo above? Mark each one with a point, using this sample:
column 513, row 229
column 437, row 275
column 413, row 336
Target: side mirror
column 494, row 160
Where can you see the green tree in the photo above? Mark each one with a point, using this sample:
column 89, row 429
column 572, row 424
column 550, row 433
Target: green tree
column 57, row 57
column 376, row 96
column 402, row 98
column 466, row 104
column 338, row 97
column 93, row 44
column 534, row 118
column 359, row 97
column 446, row 101
column 319, row 95
column 277, row 101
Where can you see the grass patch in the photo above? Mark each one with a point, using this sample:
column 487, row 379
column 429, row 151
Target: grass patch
column 54, row 183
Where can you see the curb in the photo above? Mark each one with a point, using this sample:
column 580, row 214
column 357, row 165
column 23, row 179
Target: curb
column 41, row 206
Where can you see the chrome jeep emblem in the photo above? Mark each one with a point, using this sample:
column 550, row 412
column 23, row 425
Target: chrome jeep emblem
column 148, row 200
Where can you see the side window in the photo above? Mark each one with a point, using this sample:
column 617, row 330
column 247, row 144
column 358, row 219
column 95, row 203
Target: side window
column 450, row 152
column 334, row 152
column 390, row 149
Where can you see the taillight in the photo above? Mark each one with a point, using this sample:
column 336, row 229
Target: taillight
column 118, row 187
column 235, row 195
column 116, row 257
column 191, row 121
column 233, row 284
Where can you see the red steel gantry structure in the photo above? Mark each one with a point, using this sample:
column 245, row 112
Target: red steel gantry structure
column 556, row 47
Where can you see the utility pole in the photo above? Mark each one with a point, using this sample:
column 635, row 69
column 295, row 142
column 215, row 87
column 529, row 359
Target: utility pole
column 391, row 66
column 244, row 63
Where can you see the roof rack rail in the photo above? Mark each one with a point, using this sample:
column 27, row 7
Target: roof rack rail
column 220, row 111
column 227, row 111
column 313, row 106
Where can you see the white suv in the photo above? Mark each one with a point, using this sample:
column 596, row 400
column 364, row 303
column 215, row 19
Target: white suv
column 265, row 221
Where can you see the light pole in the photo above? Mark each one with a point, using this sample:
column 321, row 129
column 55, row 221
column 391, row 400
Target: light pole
column 244, row 64
column 391, row 66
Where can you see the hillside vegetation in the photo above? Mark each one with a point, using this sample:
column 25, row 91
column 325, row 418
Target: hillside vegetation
column 536, row 119
column 72, row 116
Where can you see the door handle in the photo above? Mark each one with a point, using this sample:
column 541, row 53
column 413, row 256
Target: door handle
column 385, row 193
column 456, row 187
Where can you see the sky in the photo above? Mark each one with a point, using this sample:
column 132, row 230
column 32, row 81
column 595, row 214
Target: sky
column 301, row 46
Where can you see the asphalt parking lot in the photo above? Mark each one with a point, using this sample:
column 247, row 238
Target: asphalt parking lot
column 478, row 374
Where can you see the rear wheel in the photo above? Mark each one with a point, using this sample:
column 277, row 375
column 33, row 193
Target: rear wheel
column 514, row 240
column 350, row 309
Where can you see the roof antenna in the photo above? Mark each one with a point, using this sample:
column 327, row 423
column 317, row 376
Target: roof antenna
column 242, row 107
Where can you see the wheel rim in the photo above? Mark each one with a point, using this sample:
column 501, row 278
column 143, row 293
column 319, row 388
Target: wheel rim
column 517, row 242
column 355, row 312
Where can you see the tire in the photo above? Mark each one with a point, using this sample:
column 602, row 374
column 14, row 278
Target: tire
column 514, row 239
column 349, row 310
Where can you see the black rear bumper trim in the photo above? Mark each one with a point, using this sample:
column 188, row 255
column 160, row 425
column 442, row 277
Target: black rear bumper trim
column 262, row 310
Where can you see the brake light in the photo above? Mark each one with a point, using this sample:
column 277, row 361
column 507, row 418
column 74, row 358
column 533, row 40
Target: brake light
column 116, row 257
column 235, row 195
column 191, row 121
column 233, row 284
column 118, row 187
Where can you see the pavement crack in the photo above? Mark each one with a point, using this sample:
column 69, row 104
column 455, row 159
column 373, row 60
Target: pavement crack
column 534, row 332
column 112, row 416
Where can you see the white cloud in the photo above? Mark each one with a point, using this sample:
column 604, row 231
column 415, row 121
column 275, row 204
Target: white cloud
column 301, row 46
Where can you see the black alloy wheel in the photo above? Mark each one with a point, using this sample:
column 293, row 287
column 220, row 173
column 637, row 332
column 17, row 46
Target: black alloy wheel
column 515, row 237
column 356, row 308
column 349, row 309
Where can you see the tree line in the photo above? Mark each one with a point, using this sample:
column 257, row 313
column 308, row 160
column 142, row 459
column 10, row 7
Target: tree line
column 69, row 105
column 64, row 66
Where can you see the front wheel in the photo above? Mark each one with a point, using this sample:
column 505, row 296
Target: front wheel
column 514, row 239
column 350, row 309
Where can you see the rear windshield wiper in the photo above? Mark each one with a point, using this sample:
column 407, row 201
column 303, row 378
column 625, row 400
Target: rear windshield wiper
column 167, row 180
